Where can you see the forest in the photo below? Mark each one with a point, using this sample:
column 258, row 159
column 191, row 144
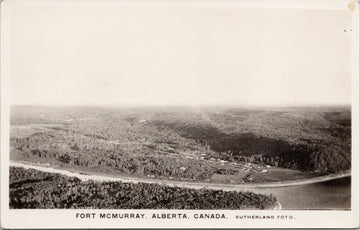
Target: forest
column 317, row 155
column 30, row 189
column 184, row 142
column 209, row 144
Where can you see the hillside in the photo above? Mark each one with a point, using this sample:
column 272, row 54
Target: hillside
column 222, row 144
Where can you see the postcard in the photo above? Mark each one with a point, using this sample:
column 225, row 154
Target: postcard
column 179, row 114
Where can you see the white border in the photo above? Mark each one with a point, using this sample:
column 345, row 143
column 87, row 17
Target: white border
column 66, row 218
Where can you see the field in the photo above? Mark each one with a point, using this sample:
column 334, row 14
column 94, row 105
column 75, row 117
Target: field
column 233, row 145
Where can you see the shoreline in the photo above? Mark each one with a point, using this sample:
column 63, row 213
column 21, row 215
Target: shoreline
column 175, row 183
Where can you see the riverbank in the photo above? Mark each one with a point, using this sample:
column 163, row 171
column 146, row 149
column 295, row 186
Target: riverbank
column 173, row 183
column 34, row 189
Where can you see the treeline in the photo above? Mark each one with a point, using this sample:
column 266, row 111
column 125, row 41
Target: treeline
column 31, row 189
column 321, row 156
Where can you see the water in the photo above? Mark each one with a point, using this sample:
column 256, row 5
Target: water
column 333, row 194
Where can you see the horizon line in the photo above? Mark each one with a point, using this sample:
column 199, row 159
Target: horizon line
column 183, row 105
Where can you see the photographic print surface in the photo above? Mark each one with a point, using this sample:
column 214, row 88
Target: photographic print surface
column 248, row 158
column 189, row 96
column 179, row 107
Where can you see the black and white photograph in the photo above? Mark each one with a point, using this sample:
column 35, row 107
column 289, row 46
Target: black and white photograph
column 179, row 111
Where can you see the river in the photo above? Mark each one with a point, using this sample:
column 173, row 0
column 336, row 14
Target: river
column 332, row 194
column 316, row 193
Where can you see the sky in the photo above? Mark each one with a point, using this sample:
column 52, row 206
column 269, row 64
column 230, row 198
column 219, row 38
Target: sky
column 179, row 56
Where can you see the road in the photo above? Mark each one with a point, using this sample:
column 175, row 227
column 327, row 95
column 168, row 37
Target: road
column 173, row 183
